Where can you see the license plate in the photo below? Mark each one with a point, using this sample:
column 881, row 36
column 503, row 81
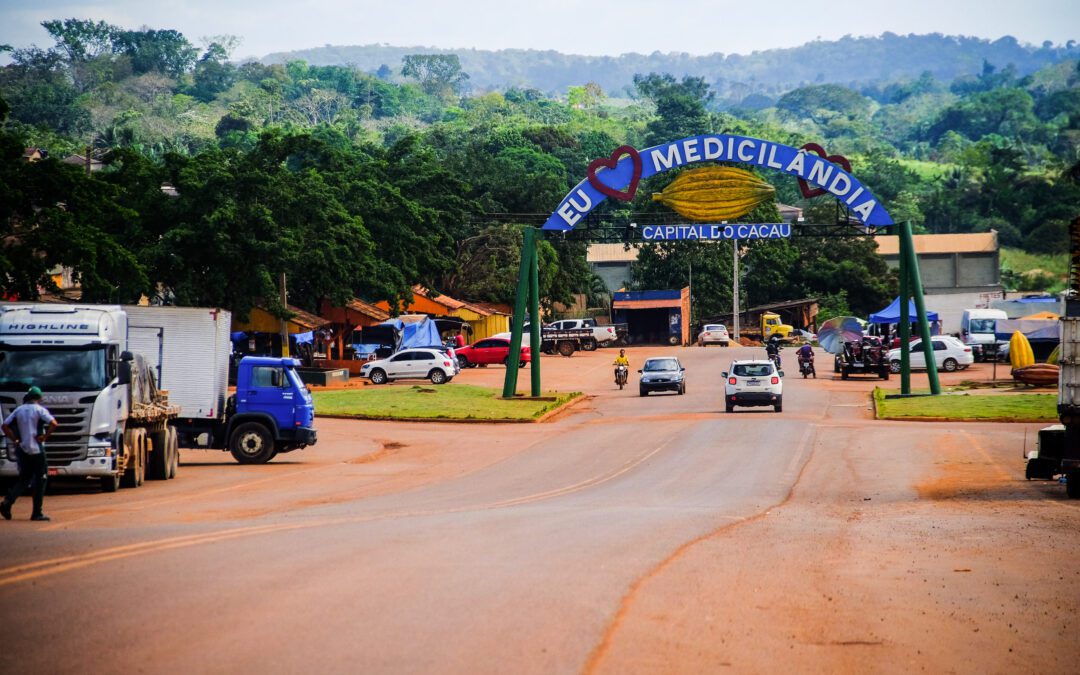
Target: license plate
column 753, row 382
column 54, row 472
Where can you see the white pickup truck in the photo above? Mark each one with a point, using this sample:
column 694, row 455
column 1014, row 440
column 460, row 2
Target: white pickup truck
column 601, row 335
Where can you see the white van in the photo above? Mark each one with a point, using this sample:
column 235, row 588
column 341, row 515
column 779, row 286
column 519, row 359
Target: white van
column 977, row 328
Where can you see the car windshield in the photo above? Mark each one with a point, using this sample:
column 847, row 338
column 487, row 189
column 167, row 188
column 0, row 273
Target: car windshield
column 982, row 325
column 53, row 369
column 658, row 365
column 752, row 369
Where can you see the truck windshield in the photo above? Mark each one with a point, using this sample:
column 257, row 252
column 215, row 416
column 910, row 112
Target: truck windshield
column 981, row 325
column 81, row 369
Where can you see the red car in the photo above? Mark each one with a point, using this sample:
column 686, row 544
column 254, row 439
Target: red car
column 489, row 350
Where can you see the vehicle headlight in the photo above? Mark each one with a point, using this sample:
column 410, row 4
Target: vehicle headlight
column 98, row 451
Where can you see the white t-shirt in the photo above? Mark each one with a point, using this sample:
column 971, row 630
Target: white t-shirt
column 26, row 419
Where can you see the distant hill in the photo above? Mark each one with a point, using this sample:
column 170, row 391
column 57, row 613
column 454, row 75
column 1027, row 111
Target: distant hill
column 850, row 61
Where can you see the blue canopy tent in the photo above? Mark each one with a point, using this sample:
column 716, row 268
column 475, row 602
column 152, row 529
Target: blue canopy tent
column 891, row 314
column 423, row 333
column 395, row 334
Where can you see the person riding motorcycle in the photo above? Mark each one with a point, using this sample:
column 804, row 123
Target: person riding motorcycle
column 621, row 360
column 772, row 348
column 806, row 356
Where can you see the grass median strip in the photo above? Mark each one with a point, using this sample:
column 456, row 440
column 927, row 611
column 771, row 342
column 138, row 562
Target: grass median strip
column 966, row 406
column 442, row 402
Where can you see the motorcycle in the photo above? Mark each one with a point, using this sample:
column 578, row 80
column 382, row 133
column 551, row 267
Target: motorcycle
column 806, row 367
column 621, row 376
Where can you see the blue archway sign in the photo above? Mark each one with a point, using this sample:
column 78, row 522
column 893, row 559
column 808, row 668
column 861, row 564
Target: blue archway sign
column 618, row 175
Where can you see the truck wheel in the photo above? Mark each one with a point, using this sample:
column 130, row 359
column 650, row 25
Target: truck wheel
column 251, row 443
column 566, row 348
column 437, row 376
column 174, row 452
column 110, row 483
column 588, row 345
column 1072, row 484
column 378, row 376
column 673, row 340
column 160, row 456
column 135, row 472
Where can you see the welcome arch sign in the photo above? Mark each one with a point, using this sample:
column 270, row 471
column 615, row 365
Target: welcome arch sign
column 618, row 176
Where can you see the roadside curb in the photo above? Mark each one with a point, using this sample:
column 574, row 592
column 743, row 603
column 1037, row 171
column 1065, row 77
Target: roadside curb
column 447, row 420
column 992, row 420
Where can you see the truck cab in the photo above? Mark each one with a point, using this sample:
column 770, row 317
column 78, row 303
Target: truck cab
column 271, row 388
column 771, row 325
column 73, row 355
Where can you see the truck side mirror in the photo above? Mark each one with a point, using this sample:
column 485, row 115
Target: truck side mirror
column 123, row 372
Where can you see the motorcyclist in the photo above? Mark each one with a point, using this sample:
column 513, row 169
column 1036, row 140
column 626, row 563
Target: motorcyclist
column 772, row 348
column 805, row 353
column 621, row 360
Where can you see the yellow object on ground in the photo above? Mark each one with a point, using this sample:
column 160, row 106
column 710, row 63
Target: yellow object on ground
column 715, row 193
column 1055, row 355
column 1020, row 353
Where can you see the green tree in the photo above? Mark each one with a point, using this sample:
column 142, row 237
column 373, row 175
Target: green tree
column 440, row 75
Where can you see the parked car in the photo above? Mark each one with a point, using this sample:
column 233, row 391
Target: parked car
column 662, row 374
column 490, row 350
column 949, row 354
column 601, row 335
column 411, row 364
column 713, row 333
column 753, row 383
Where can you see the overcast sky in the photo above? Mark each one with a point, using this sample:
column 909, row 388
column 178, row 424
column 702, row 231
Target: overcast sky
column 571, row 26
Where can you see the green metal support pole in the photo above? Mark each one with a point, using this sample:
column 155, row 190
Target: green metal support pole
column 920, row 307
column 520, row 302
column 905, row 320
column 534, row 315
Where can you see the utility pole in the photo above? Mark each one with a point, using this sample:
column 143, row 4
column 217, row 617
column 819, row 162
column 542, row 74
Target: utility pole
column 735, row 286
column 284, row 323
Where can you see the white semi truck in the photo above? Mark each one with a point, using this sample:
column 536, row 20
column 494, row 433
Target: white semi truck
column 113, row 420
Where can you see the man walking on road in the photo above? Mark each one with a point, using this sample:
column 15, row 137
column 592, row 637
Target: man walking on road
column 28, row 438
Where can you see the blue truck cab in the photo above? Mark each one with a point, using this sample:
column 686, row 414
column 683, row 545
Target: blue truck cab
column 271, row 412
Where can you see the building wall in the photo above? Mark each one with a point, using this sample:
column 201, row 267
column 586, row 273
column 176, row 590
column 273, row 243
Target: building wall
column 966, row 271
column 616, row 275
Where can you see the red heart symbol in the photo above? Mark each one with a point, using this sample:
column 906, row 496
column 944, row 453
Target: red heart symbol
column 611, row 163
column 840, row 160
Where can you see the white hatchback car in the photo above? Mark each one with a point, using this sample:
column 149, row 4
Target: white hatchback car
column 412, row 364
column 950, row 354
column 713, row 333
column 753, row 383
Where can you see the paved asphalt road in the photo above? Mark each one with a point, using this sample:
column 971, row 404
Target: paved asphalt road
column 413, row 548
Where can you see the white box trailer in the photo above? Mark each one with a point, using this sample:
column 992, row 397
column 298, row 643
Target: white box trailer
column 188, row 350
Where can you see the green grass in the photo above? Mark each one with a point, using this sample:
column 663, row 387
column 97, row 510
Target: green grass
column 927, row 171
column 1001, row 407
column 1020, row 261
column 426, row 401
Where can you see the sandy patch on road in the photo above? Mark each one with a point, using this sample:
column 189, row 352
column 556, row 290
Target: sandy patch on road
column 888, row 556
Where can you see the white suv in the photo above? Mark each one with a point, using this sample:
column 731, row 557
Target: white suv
column 753, row 383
